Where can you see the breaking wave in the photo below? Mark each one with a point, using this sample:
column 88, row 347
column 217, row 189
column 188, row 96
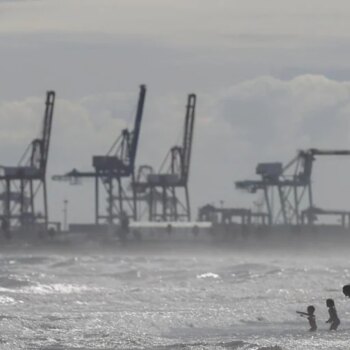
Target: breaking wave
column 6, row 300
column 42, row 289
column 208, row 275
column 13, row 282
column 56, row 288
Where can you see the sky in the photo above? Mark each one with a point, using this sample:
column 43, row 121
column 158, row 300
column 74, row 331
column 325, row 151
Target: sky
column 271, row 77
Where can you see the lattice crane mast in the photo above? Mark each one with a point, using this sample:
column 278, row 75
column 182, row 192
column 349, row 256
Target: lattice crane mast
column 164, row 203
column 20, row 205
column 291, row 187
column 111, row 169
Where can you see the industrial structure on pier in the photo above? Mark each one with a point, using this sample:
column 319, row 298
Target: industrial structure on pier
column 130, row 195
column 149, row 199
column 293, row 186
column 166, row 194
column 22, row 184
column 115, row 171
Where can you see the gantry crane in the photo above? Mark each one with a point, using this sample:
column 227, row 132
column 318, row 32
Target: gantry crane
column 22, row 183
column 161, row 191
column 113, row 170
column 291, row 187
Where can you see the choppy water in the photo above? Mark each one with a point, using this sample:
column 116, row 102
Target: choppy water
column 169, row 299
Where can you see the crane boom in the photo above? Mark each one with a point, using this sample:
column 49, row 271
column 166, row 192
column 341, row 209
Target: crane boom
column 40, row 146
column 188, row 136
column 319, row 152
column 137, row 126
column 113, row 170
column 47, row 125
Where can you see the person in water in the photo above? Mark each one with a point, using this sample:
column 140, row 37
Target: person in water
column 346, row 290
column 310, row 314
column 333, row 317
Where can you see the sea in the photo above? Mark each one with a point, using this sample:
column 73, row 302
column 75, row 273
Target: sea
column 146, row 295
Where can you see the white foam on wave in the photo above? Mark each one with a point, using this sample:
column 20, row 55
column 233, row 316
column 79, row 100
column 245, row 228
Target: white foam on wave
column 208, row 275
column 56, row 288
column 4, row 300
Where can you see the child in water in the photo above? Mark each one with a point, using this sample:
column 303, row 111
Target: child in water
column 333, row 317
column 310, row 316
column 346, row 290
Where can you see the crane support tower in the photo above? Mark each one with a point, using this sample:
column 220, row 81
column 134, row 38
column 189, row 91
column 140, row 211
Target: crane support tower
column 292, row 188
column 166, row 193
column 113, row 170
column 22, row 183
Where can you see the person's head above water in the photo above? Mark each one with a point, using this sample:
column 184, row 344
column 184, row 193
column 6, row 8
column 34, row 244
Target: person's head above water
column 310, row 309
column 346, row 290
column 330, row 303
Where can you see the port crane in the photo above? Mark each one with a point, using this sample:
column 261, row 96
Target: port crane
column 166, row 193
column 22, row 183
column 292, row 187
column 113, row 170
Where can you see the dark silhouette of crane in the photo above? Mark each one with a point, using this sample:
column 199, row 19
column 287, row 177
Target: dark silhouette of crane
column 161, row 190
column 291, row 187
column 22, row 183
column 112, row 170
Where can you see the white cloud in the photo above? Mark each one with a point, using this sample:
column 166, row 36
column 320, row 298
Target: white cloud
column 306, row 111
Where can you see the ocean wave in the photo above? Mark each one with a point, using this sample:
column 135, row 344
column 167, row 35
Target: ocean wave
column 126, row 275
column 29, row 260
column 11, row 282
column 4, row 300
column 65, row 263
column 232, row 345
column 56, row 288
column 208, row 275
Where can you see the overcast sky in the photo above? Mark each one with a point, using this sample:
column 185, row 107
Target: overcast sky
column 271, row 77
